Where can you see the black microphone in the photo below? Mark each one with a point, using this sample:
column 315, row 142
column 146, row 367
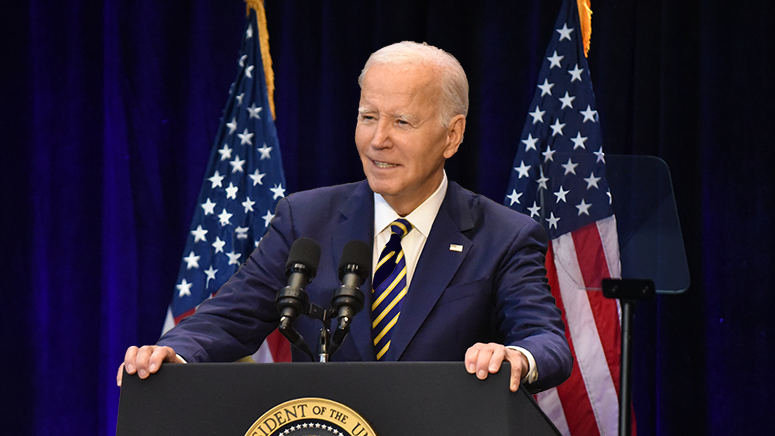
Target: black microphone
column 292, row 301
column 354, row 268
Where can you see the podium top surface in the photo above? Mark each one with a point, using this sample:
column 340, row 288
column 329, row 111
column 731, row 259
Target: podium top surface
column 396, row 398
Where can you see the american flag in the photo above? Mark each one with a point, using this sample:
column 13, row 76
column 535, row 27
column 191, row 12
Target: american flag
column 242, row 185
column 559, row 179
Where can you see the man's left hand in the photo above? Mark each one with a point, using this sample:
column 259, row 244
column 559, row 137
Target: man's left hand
column 484, row 359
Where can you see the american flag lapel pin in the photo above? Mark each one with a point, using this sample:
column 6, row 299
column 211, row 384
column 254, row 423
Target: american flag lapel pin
column 455, row 247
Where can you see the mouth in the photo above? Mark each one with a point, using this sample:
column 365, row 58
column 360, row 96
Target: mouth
column 383, row 165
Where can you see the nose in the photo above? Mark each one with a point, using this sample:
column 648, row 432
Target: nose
column 381, row 138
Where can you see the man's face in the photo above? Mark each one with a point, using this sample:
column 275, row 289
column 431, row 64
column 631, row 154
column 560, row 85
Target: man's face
column 399, row 135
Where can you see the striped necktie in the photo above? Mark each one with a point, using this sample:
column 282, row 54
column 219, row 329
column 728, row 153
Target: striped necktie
column 389, row 287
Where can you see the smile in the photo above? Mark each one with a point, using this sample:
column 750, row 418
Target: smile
column 383, row 164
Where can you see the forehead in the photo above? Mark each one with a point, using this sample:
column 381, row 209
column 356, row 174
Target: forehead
column 399, row 85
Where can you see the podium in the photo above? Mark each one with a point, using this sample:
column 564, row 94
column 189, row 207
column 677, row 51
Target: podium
column 395, row 398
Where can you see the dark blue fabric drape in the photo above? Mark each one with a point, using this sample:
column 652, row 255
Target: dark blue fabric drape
column 108, row 110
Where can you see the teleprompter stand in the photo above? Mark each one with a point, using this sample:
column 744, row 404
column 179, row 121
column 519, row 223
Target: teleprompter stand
column 396, row 398
column 650, row 248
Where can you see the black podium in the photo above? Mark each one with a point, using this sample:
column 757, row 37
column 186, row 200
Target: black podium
column 395, row 398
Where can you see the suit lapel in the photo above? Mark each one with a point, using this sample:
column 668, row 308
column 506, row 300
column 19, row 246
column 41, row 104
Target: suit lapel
column 358, row 223
column 435, row 269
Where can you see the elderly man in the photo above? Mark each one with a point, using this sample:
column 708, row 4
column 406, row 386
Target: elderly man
column 460, row 277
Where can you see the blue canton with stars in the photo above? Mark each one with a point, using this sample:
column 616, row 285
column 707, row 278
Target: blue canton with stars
column 243, row 183
column 559, row 169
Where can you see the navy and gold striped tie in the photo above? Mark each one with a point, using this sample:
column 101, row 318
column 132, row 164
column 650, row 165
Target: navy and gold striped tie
column 389, row 287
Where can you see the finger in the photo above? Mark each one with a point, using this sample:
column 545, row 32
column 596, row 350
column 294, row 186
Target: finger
column 159, row 356
column 472, row 355
column 483, row 363
column 129, row 359
column 498, row 354
column 143, row 360
column 120, row 374
column 517, row 360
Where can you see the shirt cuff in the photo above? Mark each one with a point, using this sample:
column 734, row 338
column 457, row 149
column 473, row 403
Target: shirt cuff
column 532, row 372
column 182, row 360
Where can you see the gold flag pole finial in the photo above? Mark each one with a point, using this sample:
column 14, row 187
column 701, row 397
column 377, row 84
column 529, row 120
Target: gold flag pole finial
column 585, row 17
column 266, row 58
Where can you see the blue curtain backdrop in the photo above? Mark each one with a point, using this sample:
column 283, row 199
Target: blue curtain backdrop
column 108, row 110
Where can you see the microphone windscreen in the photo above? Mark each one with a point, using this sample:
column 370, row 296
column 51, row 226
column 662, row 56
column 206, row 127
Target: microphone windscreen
column 305, row 251
column 357, row 253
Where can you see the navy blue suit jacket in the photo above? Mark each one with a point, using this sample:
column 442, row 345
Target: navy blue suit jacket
column 494, row 290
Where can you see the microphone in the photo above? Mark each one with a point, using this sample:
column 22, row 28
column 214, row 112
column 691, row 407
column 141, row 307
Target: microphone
column 292, row 301
column 354, row 267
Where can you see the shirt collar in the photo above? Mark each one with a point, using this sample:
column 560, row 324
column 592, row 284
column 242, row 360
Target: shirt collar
column 422, row 217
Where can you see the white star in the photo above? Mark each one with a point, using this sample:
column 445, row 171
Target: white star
column 249, row 32
column 530, row 142
column 548, row 154
column 256, row 176
column 538, row 115
column 225, row 152
column 542, row 180
column 565, row 32
column 242, row 60
column 210, row 275
column 546, row 88
column 267, row 218
column 218, row 244
column 234, row 258
column 523, row 169
column 589, row 114
column 279, row 192
column 209, row 207
column 185, row 288
column 534, row 210
column 557, row 127
column 600, row 155
column 245, row 137
column 239, row 99
column 570, row 167
column 255, row 112
column 583, row 207
column 592, row 181
column 225, row 217
column 249, row 71
column 553, row 221
column 232, row 125
column 514, row 197
column 561, row 194
column 578, row 141
column 216, row 180
column 555, row 60
column 248, row 204
column 236, row 165
column 199, row 234
column 567, row 101
column 576, row 73
column 192, row 261
column 231, row 191
column 265, row 152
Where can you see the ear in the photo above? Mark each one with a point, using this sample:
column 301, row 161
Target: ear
column 455, row 131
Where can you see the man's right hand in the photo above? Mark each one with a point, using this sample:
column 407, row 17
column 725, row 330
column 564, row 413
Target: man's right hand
column 146, row 360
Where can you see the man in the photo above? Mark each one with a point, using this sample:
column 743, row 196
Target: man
column 468, row 282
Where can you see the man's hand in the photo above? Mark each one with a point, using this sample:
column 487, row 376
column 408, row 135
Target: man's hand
column 484, row 359
column 146, row 360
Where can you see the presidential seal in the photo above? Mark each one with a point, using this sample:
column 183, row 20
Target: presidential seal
column 311, row 417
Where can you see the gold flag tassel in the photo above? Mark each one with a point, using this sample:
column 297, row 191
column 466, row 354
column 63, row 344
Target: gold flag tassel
column 585, row 17
column 266, row 58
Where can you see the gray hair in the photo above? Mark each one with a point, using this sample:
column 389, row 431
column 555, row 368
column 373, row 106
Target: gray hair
column 454, row 84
